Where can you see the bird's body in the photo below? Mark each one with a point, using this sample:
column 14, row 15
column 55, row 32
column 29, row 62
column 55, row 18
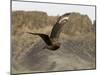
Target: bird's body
column 53, row 47
column 52, row 40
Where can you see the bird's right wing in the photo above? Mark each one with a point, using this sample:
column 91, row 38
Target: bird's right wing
column 44, row 37
column 56, row 31
column 58, row 26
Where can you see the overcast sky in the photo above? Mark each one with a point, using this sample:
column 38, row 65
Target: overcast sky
column 54, row 9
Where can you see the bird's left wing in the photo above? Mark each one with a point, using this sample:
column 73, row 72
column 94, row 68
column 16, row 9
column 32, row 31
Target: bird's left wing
column 44, row 37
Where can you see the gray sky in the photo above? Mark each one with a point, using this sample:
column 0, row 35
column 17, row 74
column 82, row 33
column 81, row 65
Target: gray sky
column 54, row 9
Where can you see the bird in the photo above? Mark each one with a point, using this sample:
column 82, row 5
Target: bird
column 52, row 40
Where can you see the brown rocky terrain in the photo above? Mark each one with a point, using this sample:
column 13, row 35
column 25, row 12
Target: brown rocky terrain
column 77, row 39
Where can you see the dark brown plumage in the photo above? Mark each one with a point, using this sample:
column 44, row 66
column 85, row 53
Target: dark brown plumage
column 52, row 41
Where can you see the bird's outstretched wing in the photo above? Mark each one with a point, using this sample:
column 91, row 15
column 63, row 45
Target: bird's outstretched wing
column 44, row 37
column 58, row 26
column 56, row 31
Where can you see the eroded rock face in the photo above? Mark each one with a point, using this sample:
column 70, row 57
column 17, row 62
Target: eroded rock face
column 30, row 20
column 78, row 24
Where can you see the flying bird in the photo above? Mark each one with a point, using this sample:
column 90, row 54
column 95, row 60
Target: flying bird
column 52, row 40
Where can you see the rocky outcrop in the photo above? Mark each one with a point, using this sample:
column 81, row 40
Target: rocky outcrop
column 30, row 20
column 78, row 24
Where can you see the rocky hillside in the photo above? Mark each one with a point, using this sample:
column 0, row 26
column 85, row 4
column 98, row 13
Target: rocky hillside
column 78, row 24
column 30, row 20
column 34, row 20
